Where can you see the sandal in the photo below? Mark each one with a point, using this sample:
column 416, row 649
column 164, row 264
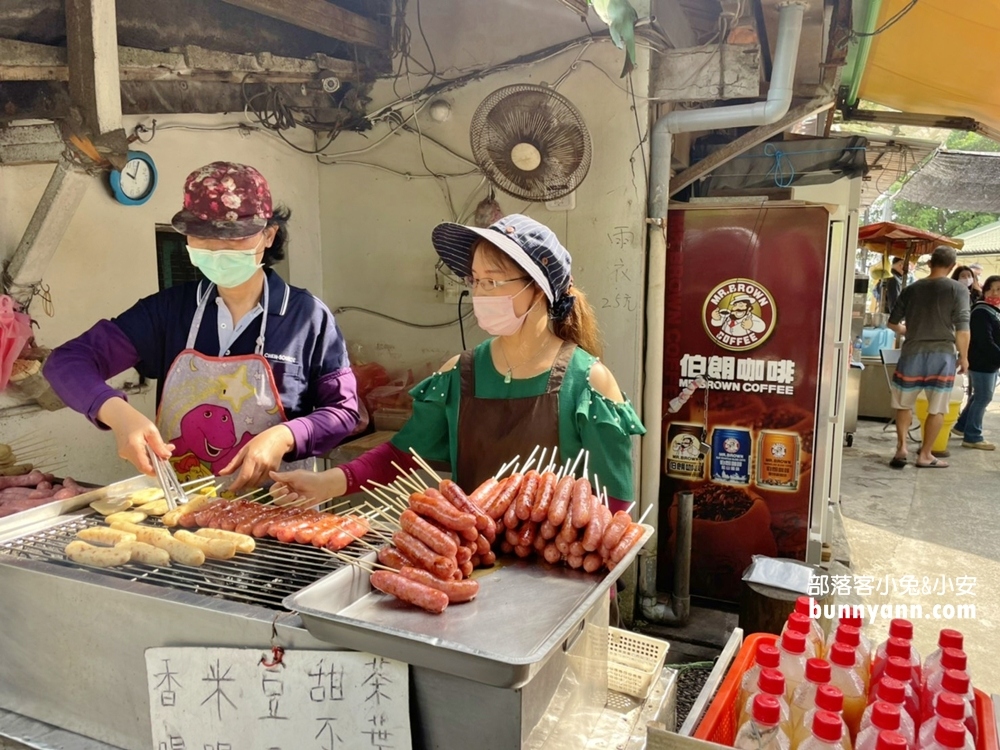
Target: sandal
column 897, row 462
column 934, row 464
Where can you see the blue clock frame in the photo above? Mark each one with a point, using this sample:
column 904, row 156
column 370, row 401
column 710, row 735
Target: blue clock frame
column 115, row 178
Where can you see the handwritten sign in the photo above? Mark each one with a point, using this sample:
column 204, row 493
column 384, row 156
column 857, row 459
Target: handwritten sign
column 238, row 699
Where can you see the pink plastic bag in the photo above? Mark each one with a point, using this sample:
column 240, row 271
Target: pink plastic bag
column 15, row 332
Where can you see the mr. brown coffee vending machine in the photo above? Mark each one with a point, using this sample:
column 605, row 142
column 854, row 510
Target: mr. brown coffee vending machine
column 755, row 322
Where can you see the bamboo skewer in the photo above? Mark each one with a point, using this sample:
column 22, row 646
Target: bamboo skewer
column 503, row 469
column 643, row 518
column 577, row 461
column 426, row 467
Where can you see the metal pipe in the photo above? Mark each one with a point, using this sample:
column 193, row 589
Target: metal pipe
column 779, row 94
column 677, row 610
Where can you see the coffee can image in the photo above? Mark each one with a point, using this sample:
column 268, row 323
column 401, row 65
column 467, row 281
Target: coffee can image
column 778, row 460
column 731, row 455
column 682, row 454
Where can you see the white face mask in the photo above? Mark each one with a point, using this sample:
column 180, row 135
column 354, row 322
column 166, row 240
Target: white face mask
column 967, row 281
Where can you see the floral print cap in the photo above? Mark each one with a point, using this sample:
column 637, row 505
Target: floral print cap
column 224, row 200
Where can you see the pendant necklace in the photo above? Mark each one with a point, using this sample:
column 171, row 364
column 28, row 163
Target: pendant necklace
column 510, row 370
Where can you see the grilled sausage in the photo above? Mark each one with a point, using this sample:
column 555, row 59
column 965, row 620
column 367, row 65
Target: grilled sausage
column 243, row 543
column 593, row 562
column 522, row 551
column 216, row 549
column 391, row 557
column 600, row 516
column 105, row 537
column 457, row 497
column 428, row 533
column 581, row 502
column 551, row 554
column 526, row 537
column 457, row 591
column 443, row 512
column 140, row 552
column 507, row 496
column 526, row 497
column 411, row 592
column 547, row 530
column 543, row 497
column 489, row 559
column 99, row 557
column 423, row 556
column 482, row 545
column 628, row 541
column 483, row 492
column 510, row 520
column 560, row 501
column 466, row 569
column 618, row 526
column 575, row 561
column 143, row 533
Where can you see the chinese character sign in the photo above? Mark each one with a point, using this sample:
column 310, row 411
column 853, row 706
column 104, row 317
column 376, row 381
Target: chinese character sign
column 744, row 314
column 228, row 698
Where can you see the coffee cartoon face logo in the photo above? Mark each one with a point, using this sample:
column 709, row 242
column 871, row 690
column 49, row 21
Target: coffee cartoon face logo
column 685, row 446
column 731, row 445
column 739, row 315
column 778, row 450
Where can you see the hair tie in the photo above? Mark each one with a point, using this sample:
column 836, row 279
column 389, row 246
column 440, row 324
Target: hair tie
column 562, row 307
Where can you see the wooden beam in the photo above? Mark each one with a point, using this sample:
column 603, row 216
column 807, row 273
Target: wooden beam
column 23, row 61
column 746, row 142
column 322, row 17
column 92, row 54
column 47, row 227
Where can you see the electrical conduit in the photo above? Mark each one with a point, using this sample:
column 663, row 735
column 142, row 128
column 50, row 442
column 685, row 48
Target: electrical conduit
column 779, row 94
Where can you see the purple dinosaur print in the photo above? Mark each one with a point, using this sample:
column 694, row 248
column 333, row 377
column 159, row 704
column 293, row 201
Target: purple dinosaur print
column 207, row 432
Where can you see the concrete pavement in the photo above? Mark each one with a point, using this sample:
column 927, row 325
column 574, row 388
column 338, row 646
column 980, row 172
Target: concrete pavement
column 929, row 537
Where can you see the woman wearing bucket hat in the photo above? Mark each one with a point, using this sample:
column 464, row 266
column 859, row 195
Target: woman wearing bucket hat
column 537, row 382
column 250, row 371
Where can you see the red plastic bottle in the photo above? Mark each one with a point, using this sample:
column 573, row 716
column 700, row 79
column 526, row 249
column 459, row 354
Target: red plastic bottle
column 947, row 638
column 958, row 683
column 894, row 692
column 900, row 649
column 902, row 629
column 949, row 735
column 883, row 717
column 951, row 658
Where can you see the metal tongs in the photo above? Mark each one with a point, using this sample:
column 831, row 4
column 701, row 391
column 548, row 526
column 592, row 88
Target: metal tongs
column 169, row 483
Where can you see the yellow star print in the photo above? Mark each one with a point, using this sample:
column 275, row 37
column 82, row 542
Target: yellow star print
column 236, row 388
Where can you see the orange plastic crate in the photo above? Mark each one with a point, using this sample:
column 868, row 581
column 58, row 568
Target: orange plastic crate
column 718, row 726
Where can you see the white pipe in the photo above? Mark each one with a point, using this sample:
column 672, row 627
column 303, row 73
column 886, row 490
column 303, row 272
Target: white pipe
column 779, row 94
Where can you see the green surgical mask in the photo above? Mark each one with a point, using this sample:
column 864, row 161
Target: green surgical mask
column 226, row 268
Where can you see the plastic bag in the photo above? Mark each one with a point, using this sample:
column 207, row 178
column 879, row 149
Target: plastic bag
column 15, row 332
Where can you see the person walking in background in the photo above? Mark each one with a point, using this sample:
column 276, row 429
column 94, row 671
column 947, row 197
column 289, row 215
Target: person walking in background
column 893, row 285
column 967, row 277
column 984, row 362
column 933, row 316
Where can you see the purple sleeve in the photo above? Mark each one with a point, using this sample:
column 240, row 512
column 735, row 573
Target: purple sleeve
column 78, row 370
column 334, row 418
column 376, row 466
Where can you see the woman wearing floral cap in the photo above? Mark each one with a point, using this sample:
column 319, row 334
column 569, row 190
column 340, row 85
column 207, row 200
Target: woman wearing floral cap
column 537, row 382
column 251, row 372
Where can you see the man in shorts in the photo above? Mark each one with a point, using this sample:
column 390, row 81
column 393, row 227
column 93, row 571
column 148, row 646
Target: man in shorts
column 933, row 316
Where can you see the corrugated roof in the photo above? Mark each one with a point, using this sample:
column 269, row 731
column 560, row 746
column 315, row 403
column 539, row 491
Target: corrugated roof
column 982, row 241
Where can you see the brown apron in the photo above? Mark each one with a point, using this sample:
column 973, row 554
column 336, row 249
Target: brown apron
column 491, row 431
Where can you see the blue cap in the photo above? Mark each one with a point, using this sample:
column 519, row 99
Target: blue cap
column 532, row 246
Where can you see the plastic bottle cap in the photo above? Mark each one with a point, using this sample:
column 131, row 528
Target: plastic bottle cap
column 885, row 715
column 955, row 681
column 818, row 670
column 889, row 740
column 793, row 642
column 771, row 681
column 953, row 658
column 848, row 634
column 898, row 669
column 827, row 726
column 949, row 638
column 799, row 623
column 842, row 654
column 950, row 733
column 899, row 628
column 829, row 698
column 768, row 656
column 803, row 605
column 891, row 691
column 899, row 647
column 852, row 619
column 950, row 706
column 766, row 709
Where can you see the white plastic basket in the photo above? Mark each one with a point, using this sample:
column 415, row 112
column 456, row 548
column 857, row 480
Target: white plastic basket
column 634, row 662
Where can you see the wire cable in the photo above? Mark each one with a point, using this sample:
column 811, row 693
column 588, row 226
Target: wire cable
column 461, row 323
column 887, row 25
column 425, row 326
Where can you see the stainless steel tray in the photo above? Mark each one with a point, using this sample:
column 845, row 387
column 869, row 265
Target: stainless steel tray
column 524, row 611
column 11, row 525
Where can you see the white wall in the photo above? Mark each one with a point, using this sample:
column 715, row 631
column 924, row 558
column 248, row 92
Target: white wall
column 107, row 259
column 376, row 225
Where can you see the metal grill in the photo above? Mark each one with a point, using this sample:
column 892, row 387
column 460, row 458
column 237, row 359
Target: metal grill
column 265, row 577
